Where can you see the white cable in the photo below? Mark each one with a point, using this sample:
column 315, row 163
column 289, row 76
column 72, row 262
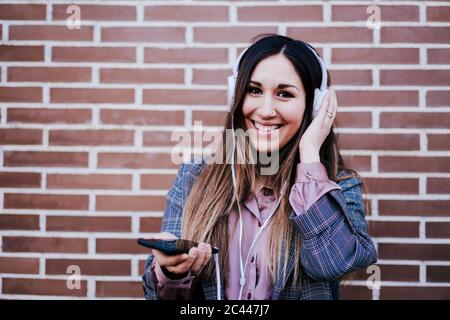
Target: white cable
column 219, row 287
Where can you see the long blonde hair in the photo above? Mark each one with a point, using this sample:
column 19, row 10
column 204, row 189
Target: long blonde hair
column 211, row 198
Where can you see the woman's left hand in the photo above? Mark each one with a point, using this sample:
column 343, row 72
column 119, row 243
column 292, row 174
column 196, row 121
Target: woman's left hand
column 318, row 130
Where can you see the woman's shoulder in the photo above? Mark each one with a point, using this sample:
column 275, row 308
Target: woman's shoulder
column 193, row 167
column 347, row 179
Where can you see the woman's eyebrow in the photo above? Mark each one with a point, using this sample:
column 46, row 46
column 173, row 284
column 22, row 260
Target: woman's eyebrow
column 280, row 86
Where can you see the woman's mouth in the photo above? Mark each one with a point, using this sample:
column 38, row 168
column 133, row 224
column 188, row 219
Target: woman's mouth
column 264, row 128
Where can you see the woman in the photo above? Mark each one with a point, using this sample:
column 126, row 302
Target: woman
column 292, row 234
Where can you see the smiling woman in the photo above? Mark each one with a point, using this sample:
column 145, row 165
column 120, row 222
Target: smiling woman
column 292, row 234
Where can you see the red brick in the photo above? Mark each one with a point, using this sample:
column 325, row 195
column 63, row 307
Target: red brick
column 415, row 35
column 46, row 201
column 391, row 273
column 373, row 141
column 437, row 229
column 382, row 98
column 22, row 11
column 413, row 251
column 20, row 94
column 49, row 287
column 414, row 120
column 426, row 208
column 190, row 13
column 98, row 12
column 97, row 267
column 50, row 33
column 415, row 77
column 142, row 117
column 150, row 224
column 119, row 289
column 184, row 96
column 19, row 265
column 120, row 246
column 157, row 181
column 21, row 53
column 130, row 203
column 414, row 293
column 438, row 274
column 20, row 136
column 438, row 185
column 20, row 180
column 354, row 120
column 49, row 74
column 358, row 163
column 89, row 224
column 135, row 160
column 19, row 222
column 48, row 116
column 351, row 77
column 147, row 34
column 209, row 118
column 45, row 159
column 438, row 56
column 441, row 14
column 89, row 181
column 387, row 13
column 413, row 164
column 210, row 76
column 397, row 229
column 229, row 34
column 279, row 13
column 93, row 54
column 185, row 55
column 348, row 292
column 438, row 98
column 158, row 138
column 91, row 137
column 392, row 185
column 91, row 95
column 37, row 244
column 375, row 55
column 143, row 76
column 438, row 141
column 331, row 34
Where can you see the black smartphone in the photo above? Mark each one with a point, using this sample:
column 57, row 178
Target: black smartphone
column 171, row 247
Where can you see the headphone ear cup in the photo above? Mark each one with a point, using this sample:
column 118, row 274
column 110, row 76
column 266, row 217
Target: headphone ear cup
column 230, row 91
column 319, row 95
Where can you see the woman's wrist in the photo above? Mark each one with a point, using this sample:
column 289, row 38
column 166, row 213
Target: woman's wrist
column 309, row 155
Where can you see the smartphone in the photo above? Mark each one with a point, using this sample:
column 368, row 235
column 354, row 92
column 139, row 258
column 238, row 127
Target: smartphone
column 171, row 247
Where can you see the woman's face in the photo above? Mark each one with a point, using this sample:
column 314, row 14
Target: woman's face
column 274, row 105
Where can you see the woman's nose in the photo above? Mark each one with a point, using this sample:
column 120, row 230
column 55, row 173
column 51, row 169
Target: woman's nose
column 266, row 108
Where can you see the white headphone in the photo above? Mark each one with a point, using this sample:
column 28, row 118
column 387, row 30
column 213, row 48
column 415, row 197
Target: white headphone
column 319, row 93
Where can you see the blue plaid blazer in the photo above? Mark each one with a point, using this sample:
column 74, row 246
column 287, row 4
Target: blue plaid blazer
column 333, row 233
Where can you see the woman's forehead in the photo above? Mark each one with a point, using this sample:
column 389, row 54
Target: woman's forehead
column 274, row 70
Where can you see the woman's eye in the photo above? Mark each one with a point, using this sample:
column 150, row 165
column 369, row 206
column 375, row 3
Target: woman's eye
column 254, row 90
column 285, row 94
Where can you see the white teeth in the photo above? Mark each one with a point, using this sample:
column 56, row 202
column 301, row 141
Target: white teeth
column 261, row 127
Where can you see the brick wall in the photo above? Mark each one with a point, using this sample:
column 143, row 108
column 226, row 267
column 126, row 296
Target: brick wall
column 86, row 117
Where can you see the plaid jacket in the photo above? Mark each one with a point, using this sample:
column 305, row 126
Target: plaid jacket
column 333, row 233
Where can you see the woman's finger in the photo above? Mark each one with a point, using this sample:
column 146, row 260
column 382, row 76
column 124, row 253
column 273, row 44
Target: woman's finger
column 186, row 266
column 165, row 260
column 199, row 261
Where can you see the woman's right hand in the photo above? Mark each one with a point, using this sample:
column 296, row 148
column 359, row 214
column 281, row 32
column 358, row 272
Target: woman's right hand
column 181, row 264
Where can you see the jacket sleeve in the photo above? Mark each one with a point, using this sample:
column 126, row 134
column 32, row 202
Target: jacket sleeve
column 334, row 234
column 171, row 223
